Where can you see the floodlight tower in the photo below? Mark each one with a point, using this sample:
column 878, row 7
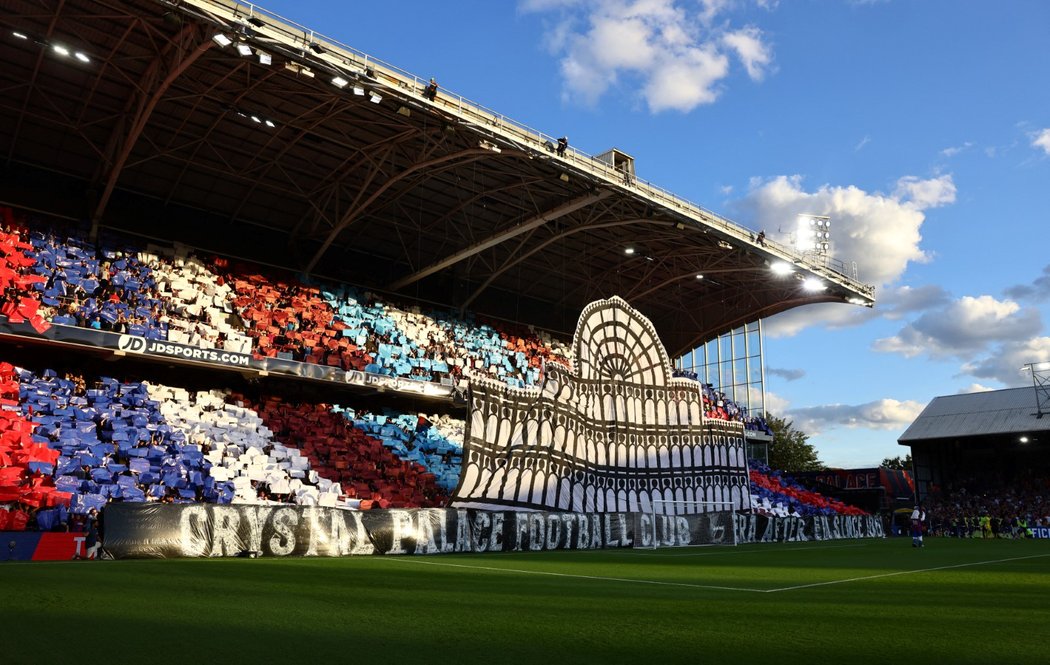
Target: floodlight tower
column 1041, row 383
column 813, row 234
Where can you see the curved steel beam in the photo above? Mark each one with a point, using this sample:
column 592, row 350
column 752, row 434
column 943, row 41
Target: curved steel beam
column 511, row 262
column 142, row 116
column 502, row 236
column 356, row 212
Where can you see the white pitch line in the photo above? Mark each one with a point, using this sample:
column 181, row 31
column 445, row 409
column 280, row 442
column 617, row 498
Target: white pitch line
column 905, row 572
column 582, row 577
column 727, row 551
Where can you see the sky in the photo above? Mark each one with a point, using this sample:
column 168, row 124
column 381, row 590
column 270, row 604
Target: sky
column 922, row 129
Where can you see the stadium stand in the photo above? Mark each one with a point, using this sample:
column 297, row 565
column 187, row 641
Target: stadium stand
column 173, row 294
column 75, row 446
column 776, row 493
column 68, row 445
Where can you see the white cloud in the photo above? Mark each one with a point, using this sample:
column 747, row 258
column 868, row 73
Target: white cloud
column 675, row 53
column 956, row 149
column 974, row 388
column 753, row 52
column 786, row 374
column 880, row 232
column 923, row 194
column 1041, row 139
column 882, row 414
column 1004, row 364
column 1037, row 291
column 863, row 142
column 777, row 405
column 895, row 302
column 965, row 326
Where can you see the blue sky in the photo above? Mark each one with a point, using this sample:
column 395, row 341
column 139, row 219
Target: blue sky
column 921, row 128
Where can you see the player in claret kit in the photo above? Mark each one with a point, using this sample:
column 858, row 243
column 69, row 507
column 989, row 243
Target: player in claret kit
column 918, row 517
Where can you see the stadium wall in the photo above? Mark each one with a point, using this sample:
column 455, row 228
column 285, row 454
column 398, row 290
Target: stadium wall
column 208, row 530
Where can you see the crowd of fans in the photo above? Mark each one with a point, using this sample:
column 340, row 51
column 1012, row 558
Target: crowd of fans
column 69, row 445
column 776, row 493
column 172, row 294
column 975, row 510
column 718, row 405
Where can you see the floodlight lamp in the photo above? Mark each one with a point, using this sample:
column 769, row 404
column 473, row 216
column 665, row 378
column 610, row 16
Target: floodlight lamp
column 221, row 39
column 244, row 49
column 781, row 268
column 1023, row 439
column 20, row 35
column 375, row 98
column 61, row 50
column 265, row 58
column 628, row 250
column 269, row 123
column 404, row 110
column 256, row 118
column 813, row 285
column 359, row 91
column 82, row 57
column 340, row 82
column 699, row 276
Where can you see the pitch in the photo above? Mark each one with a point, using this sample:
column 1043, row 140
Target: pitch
column 856, row 601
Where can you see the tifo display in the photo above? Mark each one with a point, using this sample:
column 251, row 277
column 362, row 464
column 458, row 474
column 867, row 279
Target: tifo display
column 584, row 415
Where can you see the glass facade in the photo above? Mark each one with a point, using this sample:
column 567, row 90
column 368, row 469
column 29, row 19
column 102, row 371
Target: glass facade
column 732, row 363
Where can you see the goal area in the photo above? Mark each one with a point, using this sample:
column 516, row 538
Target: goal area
column 686, row 524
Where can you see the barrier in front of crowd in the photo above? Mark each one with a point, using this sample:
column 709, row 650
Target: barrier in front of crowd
column 145, row 530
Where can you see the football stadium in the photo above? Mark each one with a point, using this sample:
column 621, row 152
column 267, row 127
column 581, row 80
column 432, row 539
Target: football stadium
column 305, row 358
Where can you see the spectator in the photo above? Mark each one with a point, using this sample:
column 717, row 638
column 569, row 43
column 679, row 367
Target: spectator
column 563, row 145
column 431, row 91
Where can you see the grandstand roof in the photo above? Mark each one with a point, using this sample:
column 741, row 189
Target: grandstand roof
column 130, row 115
column 994, row 413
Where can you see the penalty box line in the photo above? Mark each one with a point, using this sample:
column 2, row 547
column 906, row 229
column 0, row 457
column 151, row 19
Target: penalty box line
column 597, row 578
column 905, row 572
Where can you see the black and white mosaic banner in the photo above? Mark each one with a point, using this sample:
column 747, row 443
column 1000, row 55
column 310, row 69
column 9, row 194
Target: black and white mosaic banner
column 615, row 434
column 140, row 530
column 208, row 530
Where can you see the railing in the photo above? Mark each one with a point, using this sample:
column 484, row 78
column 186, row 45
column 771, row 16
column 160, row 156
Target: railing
column 343, row 57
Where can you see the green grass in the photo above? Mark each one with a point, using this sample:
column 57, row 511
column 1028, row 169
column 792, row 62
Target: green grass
column 873, row 601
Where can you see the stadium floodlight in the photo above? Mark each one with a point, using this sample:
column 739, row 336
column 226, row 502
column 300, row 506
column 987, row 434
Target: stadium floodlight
column 375, row 97
column 256, row 118
column 82, row 57
column 265, row 58
column 221, row 39
column 781, row 268
column 404, row 110
column 20, row 35
column 269, row 123
column 359, row 91
column 340, row 82
column 244, row 49
column 812, row 233
column 628, row 250
column 813, row 285
column 699, row 276
column 61, row 50
column 1024, row 439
